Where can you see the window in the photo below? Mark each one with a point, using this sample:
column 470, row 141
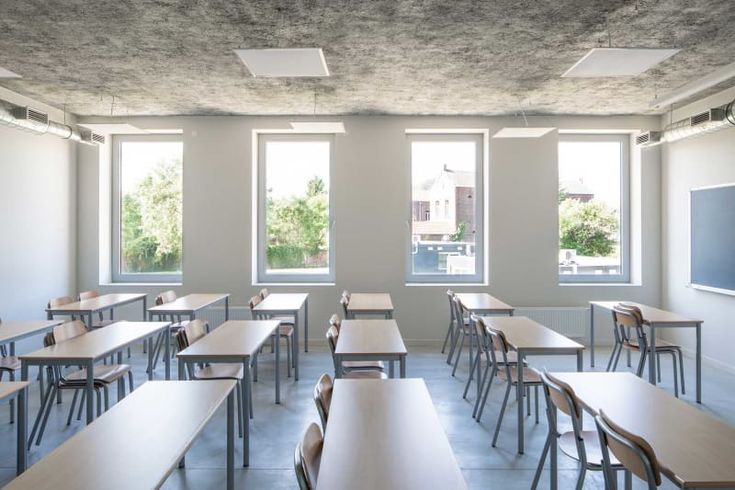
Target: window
column 447, row 243
column 295, row 243
column 146, row 206
column 593, row 208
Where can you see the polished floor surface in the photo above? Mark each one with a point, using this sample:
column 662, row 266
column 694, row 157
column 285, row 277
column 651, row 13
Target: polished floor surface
column 277, row 428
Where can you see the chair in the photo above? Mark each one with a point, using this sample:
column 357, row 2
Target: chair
column 450, row 329
column 344, row 301
column 323, row 398
column 353, row 369
column 176, row 325
column 8, row 364
column 190, row 333
column 633, row 452
column 627, row 318
column 104, row 376
column 335, row 321
column 101, row 322
column 509, row 372
column 263, row 293
column 463, row 330
column 581, row 445
column 61, row 301
column 307, row 457
column 285, row 329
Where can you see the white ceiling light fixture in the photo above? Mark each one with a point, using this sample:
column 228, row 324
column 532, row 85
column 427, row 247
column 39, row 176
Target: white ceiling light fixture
column 692, row 88
column 335, row 127
column 617, row 62
column 523, row 132
column 5, row 73
column 291, row 62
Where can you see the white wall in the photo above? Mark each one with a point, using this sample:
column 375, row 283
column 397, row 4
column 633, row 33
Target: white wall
column 371, row 194
column 694, row 162
column 37, row 218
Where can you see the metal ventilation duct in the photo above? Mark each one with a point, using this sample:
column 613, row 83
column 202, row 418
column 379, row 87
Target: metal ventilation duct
column 35, row 121
column 705, row 122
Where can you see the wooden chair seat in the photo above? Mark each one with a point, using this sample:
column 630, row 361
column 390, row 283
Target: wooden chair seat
column 592, row 447
column 357, row 365
column 365, row 375
column 512, row 357
column 530, row 375
column 633, row 345
column 10, row 363
column 219, row 371
column 104, row 373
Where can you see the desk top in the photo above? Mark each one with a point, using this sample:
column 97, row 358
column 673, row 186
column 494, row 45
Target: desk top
column 284, row 302
column 385, row 434
column 135, row 444
column 9, row 388
column 370, row 337
column 694, row 449
column 650, row 314
column 522, row 333
column 189, row 303
column 476, row 302
column 370, row 302
column 97, row 343
column 99, row 303
column 10, row 331
column 232, row 339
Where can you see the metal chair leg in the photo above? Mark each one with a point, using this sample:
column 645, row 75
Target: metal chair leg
column 613, row 356
column 580, row 477
column 658, row 366
column 99, row 402
column 681, row 371
column 483, row 380
column 453, row 344
column 676, row 374
column 446, row 337
column 502, row 412
column 288, row 356
column 541, row 462
column 42, row 428
column 472, row 373
column 487, row 392
column 459, row 353
column 81, row 405
column 73, row 406
column 238, row 393
column 535, row 401
column 47, row 400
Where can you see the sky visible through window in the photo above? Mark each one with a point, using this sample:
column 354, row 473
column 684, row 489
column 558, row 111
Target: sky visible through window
column 430, row 157
column 594, row 164
column 291, row 164
column 139, row 158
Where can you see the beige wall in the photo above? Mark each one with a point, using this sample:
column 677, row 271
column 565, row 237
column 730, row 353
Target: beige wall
column 371, row 194
column 695, row 162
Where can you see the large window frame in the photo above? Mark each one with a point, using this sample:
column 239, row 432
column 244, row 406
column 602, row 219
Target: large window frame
column 138, row 277
column 625, row 229
column 263, row 276
column 480, row 138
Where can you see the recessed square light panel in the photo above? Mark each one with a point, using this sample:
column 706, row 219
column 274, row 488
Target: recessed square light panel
column 295, row 62
column 5, row 73
column 617, row 62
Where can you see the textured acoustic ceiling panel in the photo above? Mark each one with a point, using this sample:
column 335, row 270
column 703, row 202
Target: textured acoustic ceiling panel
column 161, row 57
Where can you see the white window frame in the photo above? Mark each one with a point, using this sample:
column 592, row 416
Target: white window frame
column 263, row 277
column 117, row 275
column 624, row 276
column 480, row 138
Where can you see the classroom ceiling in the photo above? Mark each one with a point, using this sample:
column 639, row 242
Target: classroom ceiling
column 161, row 57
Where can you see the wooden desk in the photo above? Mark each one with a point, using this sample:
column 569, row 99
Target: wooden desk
column 18, row 389
column 97, row 344
column 695, row 449
column 655, row 318
column 190, row 304
column 138, row 442
column 289, row 304
column 370, row 304
column 385, row 434
column 477, row 304
column 528, row 337
column 235, row 342
column 88, row 307
column 371, row 340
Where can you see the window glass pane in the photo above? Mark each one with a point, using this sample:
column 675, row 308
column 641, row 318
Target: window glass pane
column 297, row 207
column 590, row 208
column 150, row 207
column 443, row 176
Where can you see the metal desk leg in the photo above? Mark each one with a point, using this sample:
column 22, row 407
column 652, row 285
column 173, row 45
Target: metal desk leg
column 338, row 373
column 391, row 370
column 592, row 335
column 182, row 367
column 245, row 404
column 278, row 362
column 306, row 325
column 90, row 391
column 403, row 366
column 227, row 308
column 652, row 357
column 22, row 456
column 519, row 400
column 167, row 342
column 150, row 358
column 145, row 306
column 295, row 346
column 699, row 363
column 554, row 454
column 580, row 367
column 231, row 440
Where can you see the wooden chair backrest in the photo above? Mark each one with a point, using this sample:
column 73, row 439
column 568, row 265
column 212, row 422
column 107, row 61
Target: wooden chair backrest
column 88, row 294
column 633, row 452
column 194, row 330
column 68, row 330
column 346, row 294
column 332, row 336
column 61, row 301
column 254, row 301
column 308, row 457
column 561, row 395
column 335, row 321
column 263, row 293
column 165, row 297
column 323, row 397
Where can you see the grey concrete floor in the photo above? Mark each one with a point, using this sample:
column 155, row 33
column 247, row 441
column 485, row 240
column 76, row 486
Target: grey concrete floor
column 276, row 429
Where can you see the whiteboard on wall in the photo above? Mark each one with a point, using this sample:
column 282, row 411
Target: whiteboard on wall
column 712, row 238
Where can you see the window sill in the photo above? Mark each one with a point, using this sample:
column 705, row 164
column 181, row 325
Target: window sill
column 447, row 284
column 607, row 284
column 287, row 284
column 138, row 284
